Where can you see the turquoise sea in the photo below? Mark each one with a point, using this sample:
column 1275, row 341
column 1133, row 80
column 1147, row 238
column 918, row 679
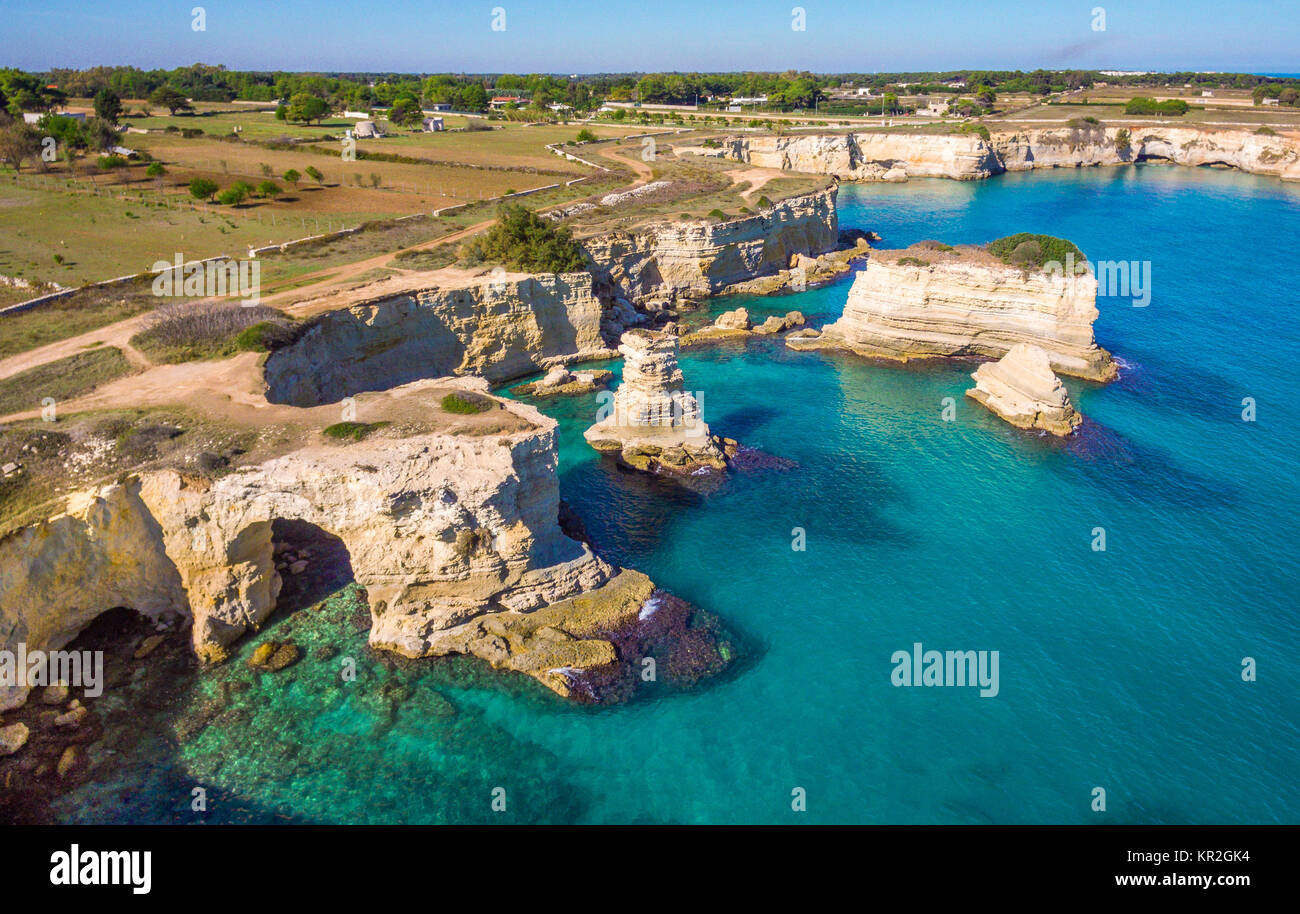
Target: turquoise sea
column 1118, row 669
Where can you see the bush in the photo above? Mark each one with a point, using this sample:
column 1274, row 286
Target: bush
column 314, row 173
column 351, row 430
column 978, row 129
column 191, row 133
column 263, row 336
column 185, row 331
column 586, row 136
column 717, row 215
column 109, row 162
column 1123, row 140
column 523, row 240
column 1026, row 250
column 1266, row 131
column 913, row 262
column 467, row 403
column 764, row 203
column 155, row 170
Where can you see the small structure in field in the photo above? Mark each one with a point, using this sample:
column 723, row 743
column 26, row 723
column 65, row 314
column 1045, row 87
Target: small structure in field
column 431, row 125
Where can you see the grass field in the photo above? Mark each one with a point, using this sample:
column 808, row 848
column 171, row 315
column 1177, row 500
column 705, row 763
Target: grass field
column 62, row 380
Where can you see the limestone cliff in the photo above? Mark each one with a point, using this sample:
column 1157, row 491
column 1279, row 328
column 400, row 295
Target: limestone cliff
column 896, row 156
column 928, row 302
column 443, row 528
column 695, row 259
column 1021, row 388
column 494, row 328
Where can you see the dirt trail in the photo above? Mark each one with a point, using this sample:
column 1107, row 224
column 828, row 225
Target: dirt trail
column 118, row 335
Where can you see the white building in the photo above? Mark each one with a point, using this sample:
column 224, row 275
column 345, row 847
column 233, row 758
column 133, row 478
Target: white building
column 366, row 129
column 431, row 125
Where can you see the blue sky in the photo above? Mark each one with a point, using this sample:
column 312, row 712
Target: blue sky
column 614, row 35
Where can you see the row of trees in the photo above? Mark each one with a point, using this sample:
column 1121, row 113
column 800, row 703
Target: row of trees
column 207, row 189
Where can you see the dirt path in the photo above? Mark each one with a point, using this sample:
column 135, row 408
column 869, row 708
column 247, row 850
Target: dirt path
column 118, row 335
column 758, row 177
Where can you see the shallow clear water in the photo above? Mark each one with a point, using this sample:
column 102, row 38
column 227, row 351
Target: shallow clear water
column 1118, row 669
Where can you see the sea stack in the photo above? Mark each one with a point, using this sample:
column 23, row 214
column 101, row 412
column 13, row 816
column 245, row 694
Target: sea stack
column 933, row 301
column 653, row 424
column 1022, row 389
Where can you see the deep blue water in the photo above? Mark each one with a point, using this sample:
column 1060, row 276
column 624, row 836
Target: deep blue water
column 1118, row 669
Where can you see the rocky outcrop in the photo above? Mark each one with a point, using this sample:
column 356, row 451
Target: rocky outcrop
column 560, row 382
column 652, row 423
column 442, row 529
column 895, row 156
column 929, row 302
column 692, row 260
column 1022, row 389
column 497, row 329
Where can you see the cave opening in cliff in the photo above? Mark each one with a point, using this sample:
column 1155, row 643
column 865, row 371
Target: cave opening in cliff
column 312, row 563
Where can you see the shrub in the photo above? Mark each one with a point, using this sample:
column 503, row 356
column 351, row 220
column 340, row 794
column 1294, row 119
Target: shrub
column 1123, row 140
column 191, row 133
column 467, row 403
column 717, row 215
column 1266, row 131
column 185, row 331
column 523, row 240
column 263, row 337
column 1026, row 250
column 586, row 136
column 351, row 430
column 764, row 203
column 913, row 262
column 155, row 170
column 314, row 173
column 978, row 129
column 109, row 162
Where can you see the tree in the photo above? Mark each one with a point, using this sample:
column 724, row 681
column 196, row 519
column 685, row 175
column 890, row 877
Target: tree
column 171, row 99
column 406, row 111
column 304, row 108
column 281, row 112
column 269, row 189
column 155, row 170
column 203, row 188
column 235, row 194
column 108, row 107
column 293, row 177
column 315, row 174
column 18, row 142
column 100, row 134
column 585, row 135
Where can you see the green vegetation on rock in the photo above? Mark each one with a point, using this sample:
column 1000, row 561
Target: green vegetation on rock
column 467, row 403
column 354, row 431
column 1030, row 250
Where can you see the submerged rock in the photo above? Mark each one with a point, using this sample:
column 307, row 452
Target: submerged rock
column 273, row 656
column 13, row 738
column 1022, row 389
